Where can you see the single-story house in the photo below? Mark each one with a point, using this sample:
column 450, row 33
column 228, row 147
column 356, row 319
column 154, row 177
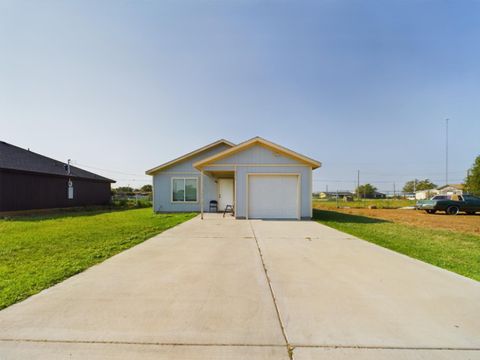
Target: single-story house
column 374, row 195
column 258, row 178
column 32, row 181
column 344, row 195
column 425, row 194
column 452, row 189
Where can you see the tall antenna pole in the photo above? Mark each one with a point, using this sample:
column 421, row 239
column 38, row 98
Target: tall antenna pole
column 446, row 151
column 358, row 183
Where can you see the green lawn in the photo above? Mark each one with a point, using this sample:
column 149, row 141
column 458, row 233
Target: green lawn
column 37, row 252
column 379, row 203
column 450, row 250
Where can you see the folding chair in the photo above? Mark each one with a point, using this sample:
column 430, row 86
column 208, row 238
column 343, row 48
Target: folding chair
column 213, row 206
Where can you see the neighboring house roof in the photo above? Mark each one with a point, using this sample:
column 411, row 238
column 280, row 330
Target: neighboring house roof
column 15, row 158
column 335, row 193
column 254, row 141
column 455, row 186
column 425, row 191
column 189, row 155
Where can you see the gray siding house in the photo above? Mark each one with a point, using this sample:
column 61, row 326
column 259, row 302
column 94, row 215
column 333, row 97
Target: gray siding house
column 258, row 178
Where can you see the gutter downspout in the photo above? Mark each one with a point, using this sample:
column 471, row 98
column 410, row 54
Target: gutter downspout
column 201, row 194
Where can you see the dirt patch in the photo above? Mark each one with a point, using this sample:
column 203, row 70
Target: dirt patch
column 461, row 222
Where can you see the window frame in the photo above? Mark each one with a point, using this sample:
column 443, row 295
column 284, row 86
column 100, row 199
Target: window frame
column 184, row 178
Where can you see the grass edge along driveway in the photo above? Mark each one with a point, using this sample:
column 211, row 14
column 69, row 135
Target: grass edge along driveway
column 37, row 252
column 453, row 251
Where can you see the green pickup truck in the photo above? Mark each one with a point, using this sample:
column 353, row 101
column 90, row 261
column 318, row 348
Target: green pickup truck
column 451, row 204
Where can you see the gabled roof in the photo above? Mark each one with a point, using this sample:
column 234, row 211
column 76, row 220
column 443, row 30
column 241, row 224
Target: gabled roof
column 334, row 193
column 426, row 190
column 255, row 141
column 189, row 155
column 456, row 186
column 14, row 158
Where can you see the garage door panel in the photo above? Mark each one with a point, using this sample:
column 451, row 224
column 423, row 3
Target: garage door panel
column 273, row 196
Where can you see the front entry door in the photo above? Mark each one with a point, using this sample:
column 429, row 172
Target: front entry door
column 225, row 193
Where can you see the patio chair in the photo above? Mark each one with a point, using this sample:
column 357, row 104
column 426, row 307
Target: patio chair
column 213, row 206
column 229, row 209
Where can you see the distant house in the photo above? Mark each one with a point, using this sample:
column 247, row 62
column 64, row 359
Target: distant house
column 375, row 195
column 344, row 195
column 408, row 196
column 32, row 181
column 425, row 194
column 452, row 189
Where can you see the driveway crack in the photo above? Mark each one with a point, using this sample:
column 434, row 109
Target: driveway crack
column 290, row 348
column 154, row 343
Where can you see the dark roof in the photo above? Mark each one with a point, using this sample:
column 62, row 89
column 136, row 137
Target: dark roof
column 15, row 158
column 335, row 193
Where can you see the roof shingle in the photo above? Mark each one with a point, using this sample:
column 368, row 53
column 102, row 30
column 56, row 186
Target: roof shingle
column 14, row 158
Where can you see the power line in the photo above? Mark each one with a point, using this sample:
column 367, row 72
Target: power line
column 370, row 181
column 143, row 180
column 108, row 170
column 417, row 175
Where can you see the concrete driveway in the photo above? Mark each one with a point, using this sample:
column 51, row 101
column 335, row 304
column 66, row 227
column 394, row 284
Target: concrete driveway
column 227, row 289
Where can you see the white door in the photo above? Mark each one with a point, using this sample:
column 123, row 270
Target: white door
column 273, row 197
column 225, row 193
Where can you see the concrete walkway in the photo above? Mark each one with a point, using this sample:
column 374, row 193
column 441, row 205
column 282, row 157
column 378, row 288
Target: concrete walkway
column 227, row 289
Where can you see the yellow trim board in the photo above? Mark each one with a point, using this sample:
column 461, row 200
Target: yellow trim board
column 189, row 155
column 258, row 164
column 258, row 140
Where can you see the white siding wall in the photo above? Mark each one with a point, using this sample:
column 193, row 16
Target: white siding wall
column 256, row 159
column 259, row 159
column 257, row 155
column 163, row 196
column 305, row 195
column 162, row 184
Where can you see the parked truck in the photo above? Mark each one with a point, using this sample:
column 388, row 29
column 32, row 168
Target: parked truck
column 451, row 204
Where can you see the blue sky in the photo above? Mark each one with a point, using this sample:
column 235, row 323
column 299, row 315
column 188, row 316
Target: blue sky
column 123, row 86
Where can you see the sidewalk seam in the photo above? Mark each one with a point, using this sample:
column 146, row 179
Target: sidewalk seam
column 326, row 346
column 149, row 343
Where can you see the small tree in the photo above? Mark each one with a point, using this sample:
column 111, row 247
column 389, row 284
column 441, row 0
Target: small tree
column 472, row 182
column 411, row 186
column 146, row 188
column 366, row 190
column 126, row 190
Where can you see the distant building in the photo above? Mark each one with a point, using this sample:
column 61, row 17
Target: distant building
column 32, row 181
column 452, row 189
column 425, row 194
column 344, row 195
column 375, row 195
column 409, row 196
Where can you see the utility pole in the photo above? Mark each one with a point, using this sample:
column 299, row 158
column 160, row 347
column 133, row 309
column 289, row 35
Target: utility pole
column 394, row 190
column 446, row 151
column 414, row 185
column 358, row 184
column 467, row 180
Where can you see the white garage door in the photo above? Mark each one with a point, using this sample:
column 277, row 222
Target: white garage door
column 273, row 197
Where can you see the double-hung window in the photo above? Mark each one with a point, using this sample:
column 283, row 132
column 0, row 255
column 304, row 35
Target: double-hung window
column 184, row 189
